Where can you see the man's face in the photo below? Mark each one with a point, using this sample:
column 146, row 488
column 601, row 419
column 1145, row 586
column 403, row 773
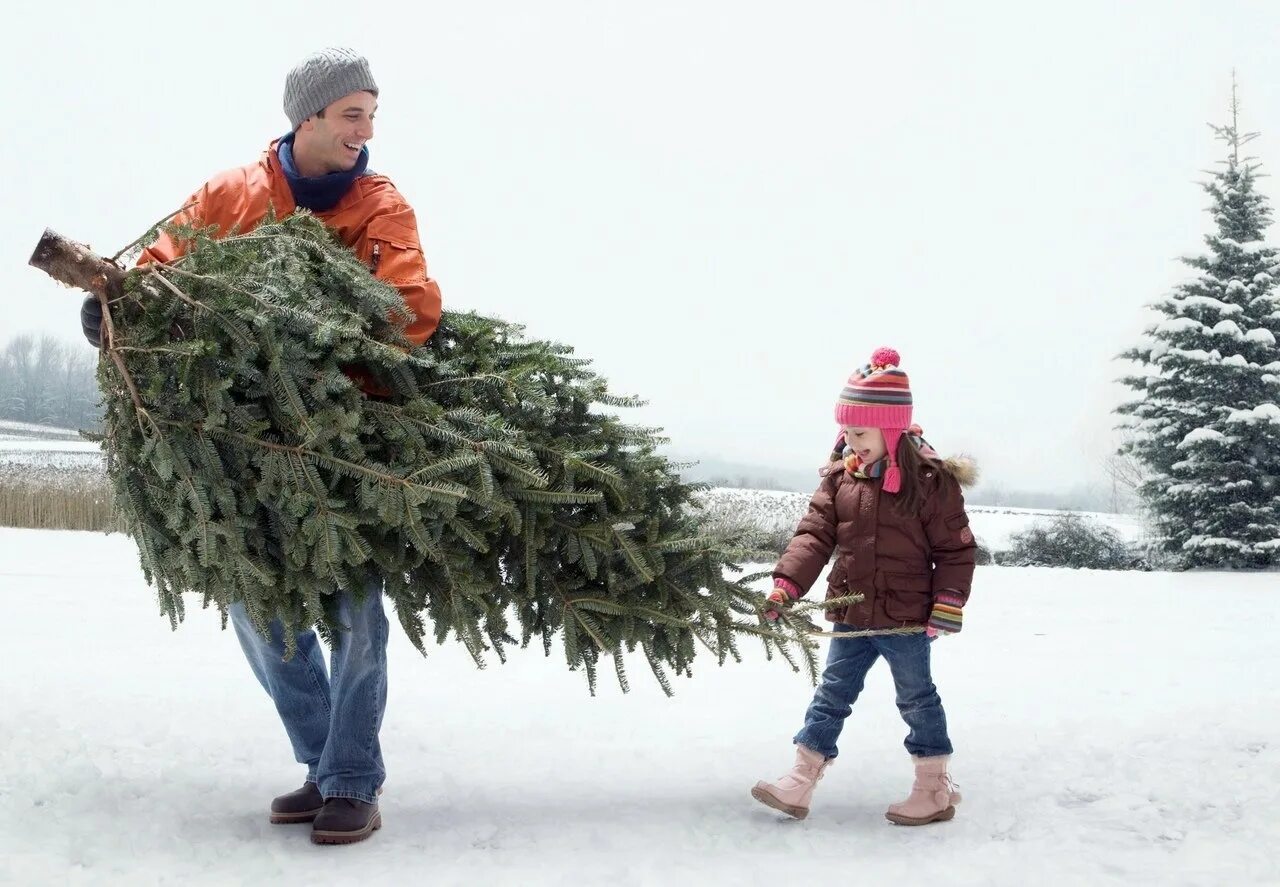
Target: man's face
column 332, row 142
column 867, row 443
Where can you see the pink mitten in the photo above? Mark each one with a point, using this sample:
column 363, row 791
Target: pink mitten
column 784, row 592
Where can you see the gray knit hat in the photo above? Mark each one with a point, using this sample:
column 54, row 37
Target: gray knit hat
column 322, row 78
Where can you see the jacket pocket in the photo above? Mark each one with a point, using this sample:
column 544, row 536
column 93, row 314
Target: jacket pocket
column 908, row 597
column 837, row 580
column 389, row 247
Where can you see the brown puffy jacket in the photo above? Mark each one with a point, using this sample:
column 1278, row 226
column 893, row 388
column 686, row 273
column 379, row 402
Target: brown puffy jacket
column 898, row 563
column 372, row 218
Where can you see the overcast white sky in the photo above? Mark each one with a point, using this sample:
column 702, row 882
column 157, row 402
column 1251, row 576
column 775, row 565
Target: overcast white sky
column 727, row 205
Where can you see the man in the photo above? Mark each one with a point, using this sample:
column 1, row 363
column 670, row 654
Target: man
column 333, row 719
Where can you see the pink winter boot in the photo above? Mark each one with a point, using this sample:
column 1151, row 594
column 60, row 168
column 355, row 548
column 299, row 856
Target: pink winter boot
column 791, row 793
column 933, row 796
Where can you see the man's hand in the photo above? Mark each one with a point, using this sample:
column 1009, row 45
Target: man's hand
column 91, row 320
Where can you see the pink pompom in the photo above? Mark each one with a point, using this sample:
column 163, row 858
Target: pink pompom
column 885, row 357
column 892, row 482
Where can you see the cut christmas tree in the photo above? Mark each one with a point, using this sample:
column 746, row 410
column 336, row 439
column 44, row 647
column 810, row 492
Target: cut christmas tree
column 487, row 482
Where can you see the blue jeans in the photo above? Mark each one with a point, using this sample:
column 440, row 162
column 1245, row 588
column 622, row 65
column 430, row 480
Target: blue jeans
column 332, row 719
column 848, row 662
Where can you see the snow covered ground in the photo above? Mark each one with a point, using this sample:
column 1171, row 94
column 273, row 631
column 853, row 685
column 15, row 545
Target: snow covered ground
column 47, row 454
column 11, row 430
column 993, row 525
column 1111, row 728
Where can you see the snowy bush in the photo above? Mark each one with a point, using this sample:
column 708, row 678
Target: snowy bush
column 983, row 556
column 1070, row 540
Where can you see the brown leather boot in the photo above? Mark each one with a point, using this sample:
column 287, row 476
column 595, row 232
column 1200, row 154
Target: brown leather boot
column 345, row 821
column 301, row 805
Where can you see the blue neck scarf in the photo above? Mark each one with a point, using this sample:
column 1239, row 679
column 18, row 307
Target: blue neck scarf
column 318, row 193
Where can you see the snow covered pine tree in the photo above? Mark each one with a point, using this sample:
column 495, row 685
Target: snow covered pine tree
column 1206, row 424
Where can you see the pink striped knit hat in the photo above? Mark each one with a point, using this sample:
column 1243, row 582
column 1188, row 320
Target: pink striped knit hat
column 878, row 395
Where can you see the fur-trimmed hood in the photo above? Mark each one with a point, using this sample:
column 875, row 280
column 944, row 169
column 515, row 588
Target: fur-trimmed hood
column 963, row 468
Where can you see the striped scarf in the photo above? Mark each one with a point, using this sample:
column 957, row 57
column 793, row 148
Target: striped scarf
column 856, row 468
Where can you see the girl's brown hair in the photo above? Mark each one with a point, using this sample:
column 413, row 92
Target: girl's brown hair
column 911, row 494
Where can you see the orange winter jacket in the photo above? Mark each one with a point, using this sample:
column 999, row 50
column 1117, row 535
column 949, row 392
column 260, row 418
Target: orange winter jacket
column 372, row 218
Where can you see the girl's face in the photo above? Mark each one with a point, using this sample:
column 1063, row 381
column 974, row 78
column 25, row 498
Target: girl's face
column 867, row 443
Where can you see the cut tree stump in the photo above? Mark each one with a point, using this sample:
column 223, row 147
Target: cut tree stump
column 74, row 264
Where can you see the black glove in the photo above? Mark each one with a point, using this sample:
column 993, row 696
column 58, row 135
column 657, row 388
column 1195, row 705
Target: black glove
column 91, row 320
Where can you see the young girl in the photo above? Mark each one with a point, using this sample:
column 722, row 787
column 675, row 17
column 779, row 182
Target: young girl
column 893, row 513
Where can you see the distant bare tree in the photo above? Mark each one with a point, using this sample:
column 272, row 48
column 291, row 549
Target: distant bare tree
column 48, row 381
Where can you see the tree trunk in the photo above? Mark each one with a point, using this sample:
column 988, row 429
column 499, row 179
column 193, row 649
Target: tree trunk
column 74, row 264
